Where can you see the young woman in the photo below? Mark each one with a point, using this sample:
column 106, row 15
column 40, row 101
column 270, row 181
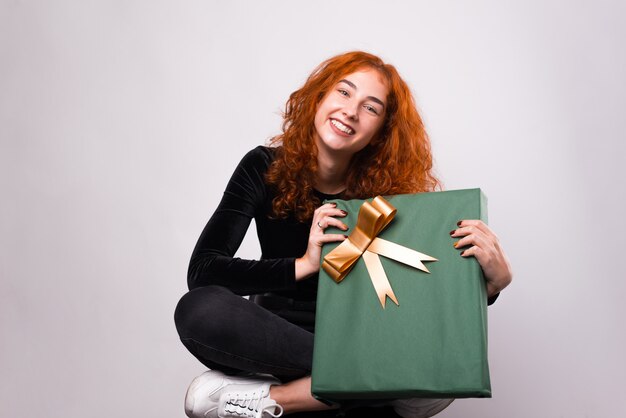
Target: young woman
column 352, row 131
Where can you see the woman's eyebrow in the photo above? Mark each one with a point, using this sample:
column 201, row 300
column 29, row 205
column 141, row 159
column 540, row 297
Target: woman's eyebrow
column 348, row 82
column 372, row 98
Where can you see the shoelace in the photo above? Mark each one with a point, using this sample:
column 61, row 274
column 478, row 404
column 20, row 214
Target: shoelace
column 247, row 405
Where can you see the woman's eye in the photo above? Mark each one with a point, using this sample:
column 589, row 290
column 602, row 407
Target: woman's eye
column 343, row 92
column 372, row 109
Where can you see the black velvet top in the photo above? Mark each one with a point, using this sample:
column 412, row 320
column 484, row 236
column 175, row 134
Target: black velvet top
column 247, row 196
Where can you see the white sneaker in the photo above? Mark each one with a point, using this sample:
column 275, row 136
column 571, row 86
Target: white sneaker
column 216, row 395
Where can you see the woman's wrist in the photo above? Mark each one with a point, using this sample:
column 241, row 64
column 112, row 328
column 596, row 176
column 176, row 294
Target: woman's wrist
column 304, row 268
column 493, row 288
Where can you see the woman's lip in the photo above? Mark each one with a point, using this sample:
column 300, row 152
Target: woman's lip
column 338, row 131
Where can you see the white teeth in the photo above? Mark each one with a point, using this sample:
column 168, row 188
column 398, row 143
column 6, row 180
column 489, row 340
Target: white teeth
column 341, row 127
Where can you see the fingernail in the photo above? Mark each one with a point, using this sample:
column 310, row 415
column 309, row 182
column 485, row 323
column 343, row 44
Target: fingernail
column 344, row 212
column 452, row 232
column 345, row 236
column 346, row 227
column 462, row 253
column 459, row 223
column 455, row 244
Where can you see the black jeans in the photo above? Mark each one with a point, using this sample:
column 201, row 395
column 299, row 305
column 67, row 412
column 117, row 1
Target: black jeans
column 229, row 333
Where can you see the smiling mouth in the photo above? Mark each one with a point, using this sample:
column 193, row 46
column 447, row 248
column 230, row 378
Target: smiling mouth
column 343, row 128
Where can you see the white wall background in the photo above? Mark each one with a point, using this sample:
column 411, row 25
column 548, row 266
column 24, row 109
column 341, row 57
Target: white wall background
column 121, row 121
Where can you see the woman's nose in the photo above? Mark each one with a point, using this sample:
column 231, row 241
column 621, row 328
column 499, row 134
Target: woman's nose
column 351, row 110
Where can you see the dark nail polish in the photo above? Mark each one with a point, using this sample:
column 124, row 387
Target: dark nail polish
column 459, row 223
column 452, row 232
column 462, row 253
column 346, row 236
column 344, row 212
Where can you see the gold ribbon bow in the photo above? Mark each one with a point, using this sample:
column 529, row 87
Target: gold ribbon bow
column 363, row 241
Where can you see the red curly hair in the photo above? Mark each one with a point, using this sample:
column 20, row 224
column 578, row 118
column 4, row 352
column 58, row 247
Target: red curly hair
column 397, row 160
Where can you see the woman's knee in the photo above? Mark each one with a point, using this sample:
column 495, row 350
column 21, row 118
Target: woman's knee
column 201, row 310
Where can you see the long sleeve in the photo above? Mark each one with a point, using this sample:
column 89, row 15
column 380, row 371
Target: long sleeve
column 492, row 299
column 213, row 261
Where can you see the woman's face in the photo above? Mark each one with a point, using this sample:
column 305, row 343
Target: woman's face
column 351, row 113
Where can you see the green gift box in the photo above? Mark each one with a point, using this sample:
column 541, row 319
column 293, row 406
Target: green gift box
column 433, row 344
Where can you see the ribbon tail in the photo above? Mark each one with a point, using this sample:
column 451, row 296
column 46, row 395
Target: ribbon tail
column 379, row 278
column 400, row 253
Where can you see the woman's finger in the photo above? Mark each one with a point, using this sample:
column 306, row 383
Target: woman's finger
column 473, row 251
column 331, row 238
column 327, row 221
column 466, row 230
column 324, row 217
column 325, row 209
column 473, row 239
column 329, row 211
column 468, row 226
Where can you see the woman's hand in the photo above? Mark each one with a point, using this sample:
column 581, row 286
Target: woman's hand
column 484, row 245
column 323, row 217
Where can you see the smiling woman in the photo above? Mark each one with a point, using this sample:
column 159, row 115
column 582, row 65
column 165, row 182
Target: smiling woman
column 352, row 131
column 350, row 115
column 396, row 159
